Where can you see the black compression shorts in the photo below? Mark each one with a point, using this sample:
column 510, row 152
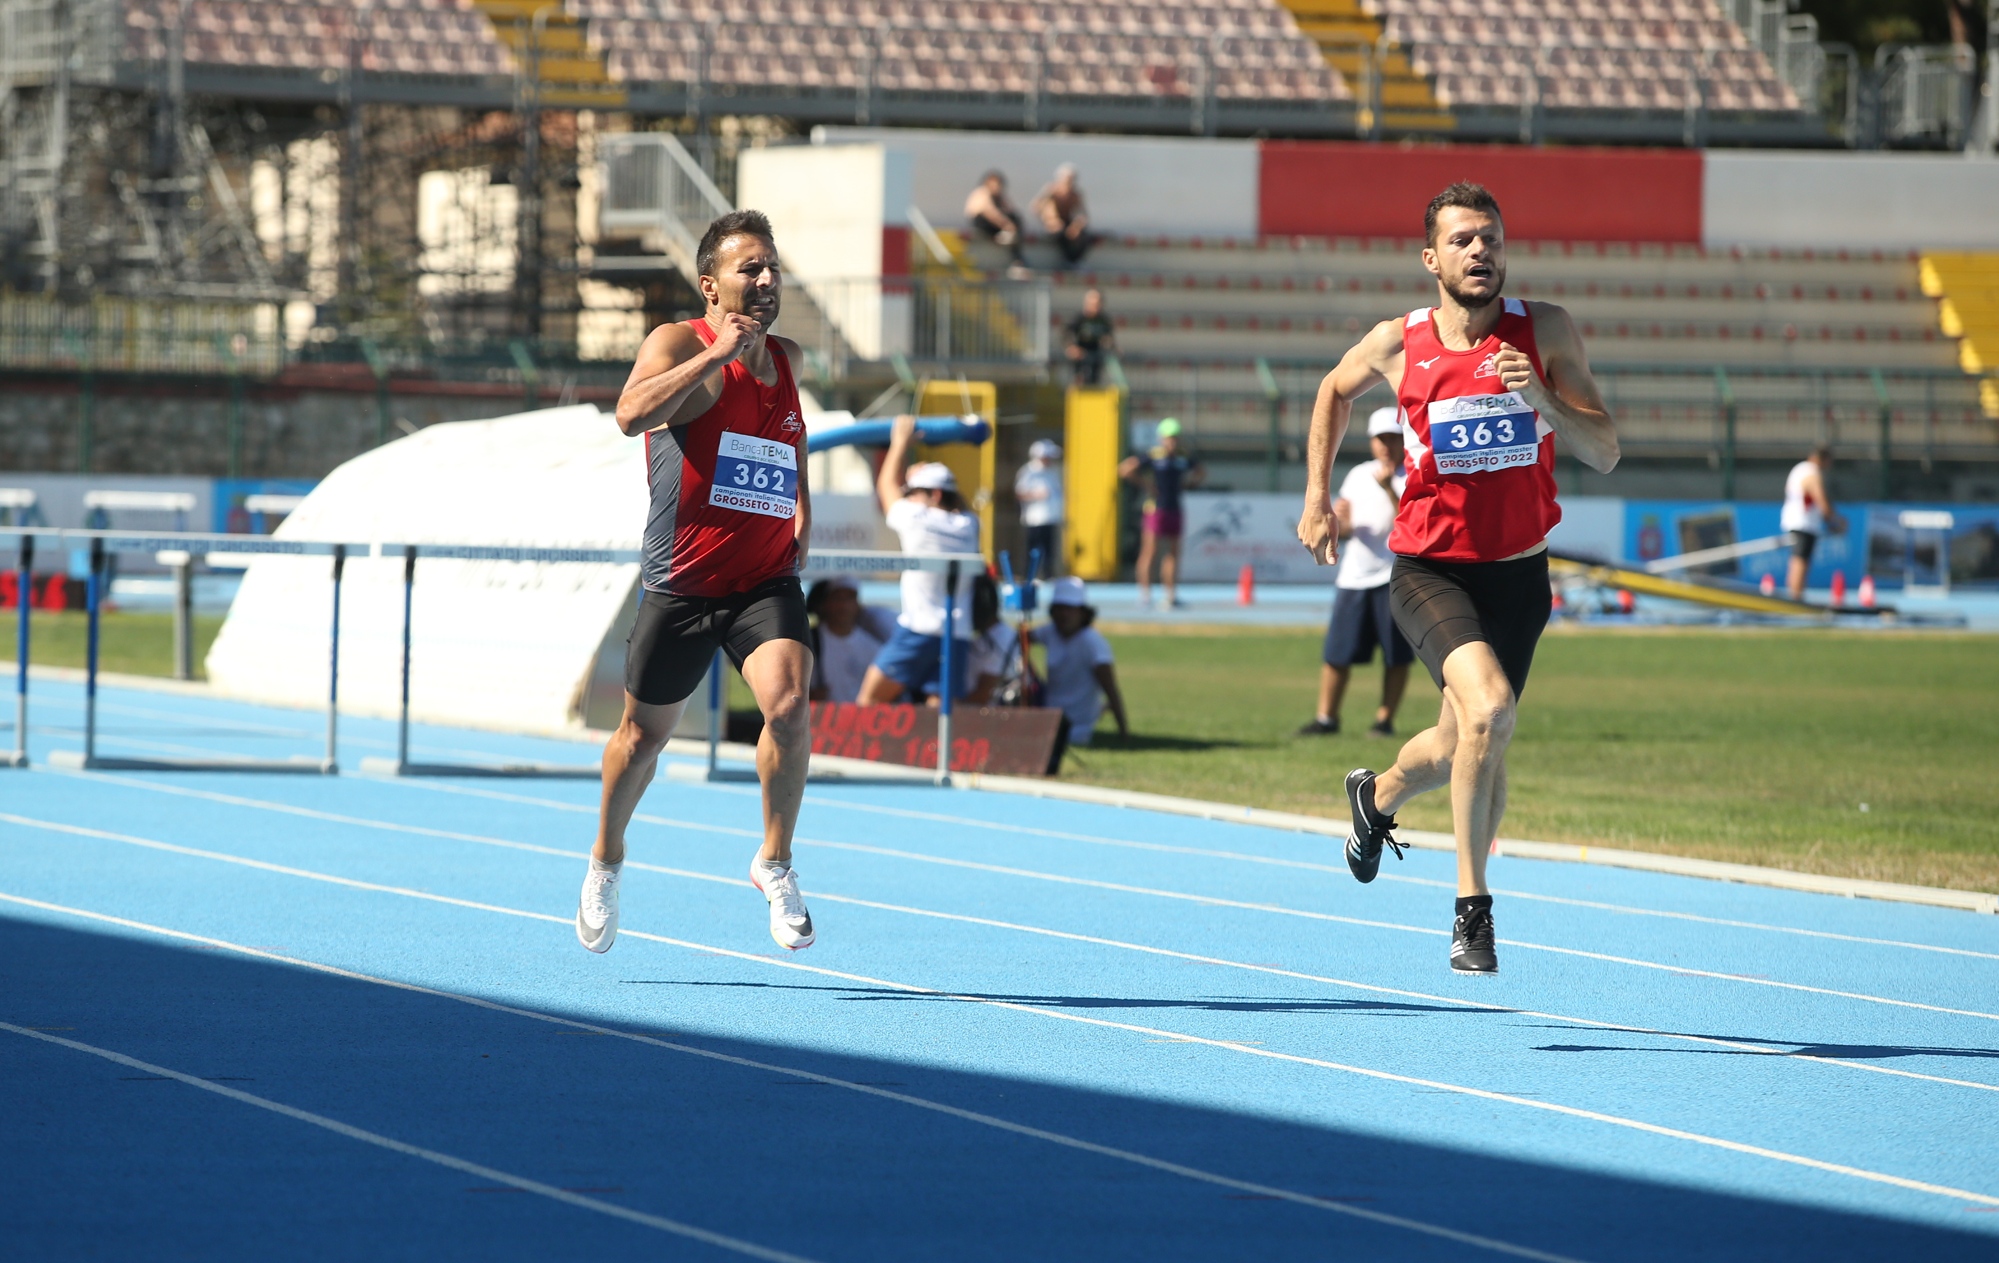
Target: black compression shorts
column 675, row 637
column 1440, row 605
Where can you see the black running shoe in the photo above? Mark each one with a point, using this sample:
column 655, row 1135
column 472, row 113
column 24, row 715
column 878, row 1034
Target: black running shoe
column 1319, row 728
column 1381, row 728
column 1371, row 829
column 1471, row 943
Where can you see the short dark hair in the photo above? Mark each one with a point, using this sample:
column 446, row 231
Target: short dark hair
column 1465, row 196
column 1822, row 453
column 740, row 223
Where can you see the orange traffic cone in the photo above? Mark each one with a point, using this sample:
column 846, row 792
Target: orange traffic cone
column 1245, row 586
column 1768, row 585
column 1838, row 588
column 1867, row 592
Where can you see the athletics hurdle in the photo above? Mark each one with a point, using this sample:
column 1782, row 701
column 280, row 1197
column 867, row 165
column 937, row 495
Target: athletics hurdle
column 24, row 592
column 102, row 543
column 856, row 561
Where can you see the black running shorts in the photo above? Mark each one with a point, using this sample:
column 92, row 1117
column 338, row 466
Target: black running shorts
column 1440, row 605
column 1804, row 544
column 675, row 637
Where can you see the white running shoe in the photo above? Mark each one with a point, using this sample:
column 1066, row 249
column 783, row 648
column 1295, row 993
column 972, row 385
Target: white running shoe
column 790, row 923
column 597, row 910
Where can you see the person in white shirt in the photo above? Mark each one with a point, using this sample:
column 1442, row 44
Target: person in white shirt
column 1361, row 620
column 1807, row 514
column 1038, row 487
column 925, row 510
column 846, row 636
column 995, row 650
column 1080, row 672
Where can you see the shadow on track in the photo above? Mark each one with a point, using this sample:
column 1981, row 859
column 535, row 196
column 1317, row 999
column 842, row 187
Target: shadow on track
column 102, row 1160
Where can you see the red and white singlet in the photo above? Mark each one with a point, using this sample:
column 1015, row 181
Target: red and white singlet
column 725, row 487
column 1481, row 463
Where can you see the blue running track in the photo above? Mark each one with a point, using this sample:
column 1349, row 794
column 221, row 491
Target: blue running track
column 293, row 1017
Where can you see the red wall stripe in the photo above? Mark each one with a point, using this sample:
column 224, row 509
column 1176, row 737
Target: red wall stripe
column 1347, row 189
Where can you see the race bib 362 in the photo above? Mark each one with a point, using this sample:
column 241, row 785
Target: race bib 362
column 1471, row 434
column 755, row 475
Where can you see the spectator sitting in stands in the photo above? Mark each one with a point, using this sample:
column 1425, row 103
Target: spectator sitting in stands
column 1091, row 338
column 993, row 216
column 1081, row 673
column 846, row 636
column 1064, row 216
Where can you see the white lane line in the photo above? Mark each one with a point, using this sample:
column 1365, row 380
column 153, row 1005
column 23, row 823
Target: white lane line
column 1089, row 838
column 1122, row 888
column 199, row 720
column 1340, row 870
column 1615, row 1120
column 819, row 893
column 903, row 1098
column 675, row 1227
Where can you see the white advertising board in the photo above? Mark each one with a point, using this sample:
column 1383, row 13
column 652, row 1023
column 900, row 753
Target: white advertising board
column 1227, row 531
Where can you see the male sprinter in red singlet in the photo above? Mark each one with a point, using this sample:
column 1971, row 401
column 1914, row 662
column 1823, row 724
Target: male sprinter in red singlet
column 1486, row 384
column 726, row 535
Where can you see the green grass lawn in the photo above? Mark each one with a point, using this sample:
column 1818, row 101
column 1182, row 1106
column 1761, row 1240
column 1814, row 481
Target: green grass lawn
column 135, row 644
column 1755, row 747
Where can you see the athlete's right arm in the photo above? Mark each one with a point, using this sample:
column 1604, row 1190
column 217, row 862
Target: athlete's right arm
column 1374, row 359
column 670, row 382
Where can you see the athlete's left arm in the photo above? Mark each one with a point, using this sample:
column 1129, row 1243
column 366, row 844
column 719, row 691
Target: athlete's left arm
column 801, row 521
column 1568, row 400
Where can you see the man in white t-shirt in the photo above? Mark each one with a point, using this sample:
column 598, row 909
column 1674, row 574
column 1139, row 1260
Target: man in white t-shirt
column 1361, row 620
column 1807, row 514
column 926, row 512
column 1038, row 487
column 846, row 636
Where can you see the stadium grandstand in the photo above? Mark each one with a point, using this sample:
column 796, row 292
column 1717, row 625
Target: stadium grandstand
column 352, row 219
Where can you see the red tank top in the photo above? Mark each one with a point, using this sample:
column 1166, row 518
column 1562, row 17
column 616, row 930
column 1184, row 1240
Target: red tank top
column 725, row 487
column 1481, row 463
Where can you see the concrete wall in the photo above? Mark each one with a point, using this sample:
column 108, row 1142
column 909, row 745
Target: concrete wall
column 1872, row 201
column 840, row 213
column 1338, row 189
column 1133, row 185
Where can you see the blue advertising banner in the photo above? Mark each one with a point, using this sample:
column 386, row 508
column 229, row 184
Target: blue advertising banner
column 1896, row 543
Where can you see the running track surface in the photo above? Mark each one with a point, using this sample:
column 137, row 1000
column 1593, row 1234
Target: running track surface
column 299, row 1017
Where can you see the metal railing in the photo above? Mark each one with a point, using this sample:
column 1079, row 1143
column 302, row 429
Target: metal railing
column 126, row 335
column 1925, row 92
column 1706, row 412
column 934, row 318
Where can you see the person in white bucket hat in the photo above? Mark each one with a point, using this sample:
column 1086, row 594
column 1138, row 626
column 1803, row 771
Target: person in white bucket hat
column 924, row 509
column 1081, row 674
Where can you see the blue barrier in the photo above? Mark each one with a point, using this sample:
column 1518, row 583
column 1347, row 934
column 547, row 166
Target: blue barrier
column 934, row 431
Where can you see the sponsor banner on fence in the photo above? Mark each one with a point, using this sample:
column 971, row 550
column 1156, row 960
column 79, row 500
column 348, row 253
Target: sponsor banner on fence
column 1227, row 531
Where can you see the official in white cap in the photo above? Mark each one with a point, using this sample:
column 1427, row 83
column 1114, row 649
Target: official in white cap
column 1038, row 488
column 926, row 512
column 1365, row 510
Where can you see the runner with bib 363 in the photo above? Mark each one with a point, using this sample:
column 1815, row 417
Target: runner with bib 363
column 1486, row 384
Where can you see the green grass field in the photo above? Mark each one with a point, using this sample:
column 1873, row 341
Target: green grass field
column 134, row 644
column 1756, row 747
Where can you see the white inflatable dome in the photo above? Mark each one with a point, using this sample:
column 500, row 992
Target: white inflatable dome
column 522, row 646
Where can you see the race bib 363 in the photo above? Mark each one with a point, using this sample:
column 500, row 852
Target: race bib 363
column 755, row 475
column 1471, row 434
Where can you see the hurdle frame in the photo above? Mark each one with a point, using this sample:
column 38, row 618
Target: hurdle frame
column 102, row 543
column 24, row 594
